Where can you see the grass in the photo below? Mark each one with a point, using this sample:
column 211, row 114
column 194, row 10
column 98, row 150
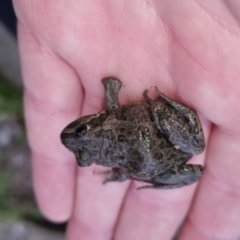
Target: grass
column 15, row 206
column 11, row 104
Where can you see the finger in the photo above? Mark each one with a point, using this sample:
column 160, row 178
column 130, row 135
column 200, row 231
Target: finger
column 52, row 99
column 97, row 206
column 216, row 211
column 153, row 214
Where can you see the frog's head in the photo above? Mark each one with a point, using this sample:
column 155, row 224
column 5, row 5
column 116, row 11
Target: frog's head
column 77, row 133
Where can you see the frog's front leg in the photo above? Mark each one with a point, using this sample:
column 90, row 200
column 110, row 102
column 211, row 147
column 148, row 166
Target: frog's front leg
column 178, row 123
column 115, row 175
column 111, row 88
column 176, row 177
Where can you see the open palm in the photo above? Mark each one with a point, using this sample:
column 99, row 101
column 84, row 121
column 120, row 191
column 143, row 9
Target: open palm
column 190, row 50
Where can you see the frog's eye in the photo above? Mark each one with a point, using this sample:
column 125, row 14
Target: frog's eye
column 81, row 130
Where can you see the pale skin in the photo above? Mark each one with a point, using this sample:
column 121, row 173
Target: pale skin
column 190, row 50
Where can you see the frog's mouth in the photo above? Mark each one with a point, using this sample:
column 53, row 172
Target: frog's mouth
column 68, row 140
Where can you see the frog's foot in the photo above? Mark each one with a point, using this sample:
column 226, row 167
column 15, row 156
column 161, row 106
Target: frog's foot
column 111, row 87
column 115, row 175
column 162, row 186
column 176, row 177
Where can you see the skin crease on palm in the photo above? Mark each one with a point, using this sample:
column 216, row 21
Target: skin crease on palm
column 190, row 50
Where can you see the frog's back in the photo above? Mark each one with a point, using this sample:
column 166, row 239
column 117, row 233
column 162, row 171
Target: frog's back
column 147, row 151
column 131, row 141
column 137, row 113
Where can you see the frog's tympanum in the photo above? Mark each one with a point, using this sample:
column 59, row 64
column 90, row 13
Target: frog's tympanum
column 146, row 141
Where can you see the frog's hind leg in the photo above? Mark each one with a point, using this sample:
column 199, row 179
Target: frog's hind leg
column 176, row 177
column 162, row 186
column 181, row 125
column 183, row 110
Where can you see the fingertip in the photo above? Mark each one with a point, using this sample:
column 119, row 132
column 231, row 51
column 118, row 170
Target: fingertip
column 54, row 183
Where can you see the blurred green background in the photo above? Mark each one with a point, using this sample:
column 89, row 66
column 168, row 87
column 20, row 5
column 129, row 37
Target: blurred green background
column 16, row 200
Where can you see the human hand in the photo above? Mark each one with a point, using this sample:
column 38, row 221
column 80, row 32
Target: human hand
column 190, row 51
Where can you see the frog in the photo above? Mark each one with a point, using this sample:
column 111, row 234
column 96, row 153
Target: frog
column 148, row 141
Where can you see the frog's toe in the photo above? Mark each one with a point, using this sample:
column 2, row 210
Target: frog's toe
column 115, row 175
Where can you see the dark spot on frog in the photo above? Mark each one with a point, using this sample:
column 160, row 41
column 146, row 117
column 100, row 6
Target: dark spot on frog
column 158, row 155
column 122, row 130
column 121, row 138
column 108, row 134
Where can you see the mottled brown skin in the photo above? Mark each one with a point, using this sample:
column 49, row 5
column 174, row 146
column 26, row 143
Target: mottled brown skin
column 149, row 142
